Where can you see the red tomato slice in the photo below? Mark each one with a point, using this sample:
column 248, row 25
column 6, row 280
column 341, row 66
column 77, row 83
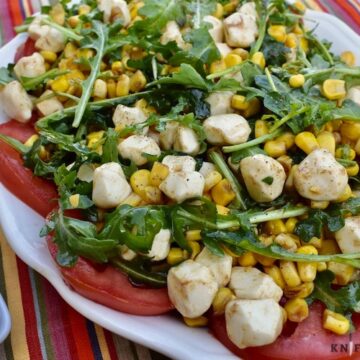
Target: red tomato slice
column 309, row 341
column 112, row 288
column 26, row 49
column 37, row 193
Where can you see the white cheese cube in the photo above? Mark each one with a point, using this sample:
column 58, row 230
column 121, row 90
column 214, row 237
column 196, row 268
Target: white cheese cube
column 115, row 8
column 354, row 94
column 216, row 29
column 220, row 102
column 50, row 105
column 167, row 137
column 223, row 48
column 126, row 253
column 186, row 141
column 127, row 116
column 30, row 66
column 161, row 245
column 179, row 163
column 50, row 40
column 348, row 238
column 172, row 33
column 207, row 168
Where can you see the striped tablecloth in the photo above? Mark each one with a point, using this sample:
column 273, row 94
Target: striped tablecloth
column 43, row 325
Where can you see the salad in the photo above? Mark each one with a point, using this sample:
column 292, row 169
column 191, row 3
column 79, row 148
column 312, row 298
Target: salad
column 197, row 156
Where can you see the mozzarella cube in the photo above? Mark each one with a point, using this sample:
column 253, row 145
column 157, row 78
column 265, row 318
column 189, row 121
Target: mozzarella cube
column 180, row 186
column 228, row 129
column 30, row 66
column 220, row 102
column 348, row 238
column 191, row 288
column 86, row 172
column 161, row 245
column 35, row 30
column 320, row 177
column 127, row 116
column 179, row 163
column 16, row 102
column 216, row 29
column 264, row 177
column 167, row 137
column 135, row 146
column 253, row 322
column 126, row 253
column 115, row 8
column 252, row 284
column 220, row 266
column 207, row 168
column 354, row 94
column 224, row 49
column 50, row 105
column 186, row 141
column 241, row 28
column 50, row 40
column 172, row 33
column 110, row 187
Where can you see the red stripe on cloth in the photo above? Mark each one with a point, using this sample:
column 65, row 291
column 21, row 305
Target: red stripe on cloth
column 32, row 336
column 6, row 23
column 110, row 343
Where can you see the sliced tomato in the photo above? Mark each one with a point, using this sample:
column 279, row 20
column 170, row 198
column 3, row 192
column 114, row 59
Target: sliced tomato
column 108, row 286
column 309, row 341
column 37, row 193
column 26, row 49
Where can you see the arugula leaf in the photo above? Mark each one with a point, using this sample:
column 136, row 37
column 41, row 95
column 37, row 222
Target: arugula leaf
column 274, row 52
column 110, row 151
column 237, row 156
column 5, row 76
column 268, row 180
column 348, row 111
column 33, row 82
column 199, row 9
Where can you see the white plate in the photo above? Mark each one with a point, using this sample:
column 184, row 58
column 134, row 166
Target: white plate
column 165, row 334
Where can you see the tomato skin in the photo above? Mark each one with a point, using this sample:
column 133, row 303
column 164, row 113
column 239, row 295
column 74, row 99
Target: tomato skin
column 111, row 288
column 308, row 342
column 26, row 49
column 37, row 193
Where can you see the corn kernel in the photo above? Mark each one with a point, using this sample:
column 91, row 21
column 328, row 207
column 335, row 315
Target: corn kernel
column 74, row 21
column 277, row 32
column 49, row 56
column 100, row 89
column 74, row 200
column 199, row 321
column 57, row 13
column 219, row 11
column 301, row 291
column 348, row 57
column 158, row 174
column 346, row 195
column 247, row 259
column 61, row 84
column 287, row 241
column 259, row 59
column 111, row 88
column 265, row 260
column 353, row 170
column 297, row 309
column 253, row 108
column 334, row 89
column 84, row 9
column 304, row 44
column 299, row 6
column 345, row 152
column 276, row 275
column 137, row 81
column 222, row 210
column 123, row 86
column 239, row 102
column 335, row 322
column 291, row 41
column 44, row 154
column 134, row 10
column 266, row 240
column 297, row 81
column 139, row 180
column 117, row 67
column 326, row 141
column 290, row 224
column 261, row 128
column 289, row 273
column 275, row 148
column 153, row 195
column 329, row 247
column 306, row 141
column 351, row 130
column 222, row 297
column 217, row 66
column 195, row 248
column 232, row 59
column 193, row 235
column 343, row 272
column 307, row 270
column 297, row 30
column 212, row 179
column 133, row 200
column 321, row 266
column 244, row 54
column 275, row 227
column 315, row 241
column 357, row 147
column 288, row 138
column 314, row 204
column 175, row 256
column 31, row 140
column 222, row 193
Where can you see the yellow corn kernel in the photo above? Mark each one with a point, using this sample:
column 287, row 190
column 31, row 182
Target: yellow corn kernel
column 117, row 67
column 199, row 321
column 195, row 248
column 57, row 13
column 145, row 107
column 61, row 84
column 329, row 247
column 111, row 88
column 288, row 138
column 326, row 140
column 299, row 6
column 266, row 240
column 304, row 44
column 217, row 66
column 219, row 11
column 345, row 152
column 314, row 204
column 301, row 291
column 158, row 174
column 289, row 273
column 230, row 253
column 232, row 59
column 153, row 195
column 291, row 41
column 139, row 180
column 133, row 200
column 275, row 148
column 265, row 260
column 175, row 256
column 222, row 297
column 85, row 53
column 277, row 32
column 357, row 147
column 74, row 21
column 348, row 57
column 276, row 275
column 47, row 66
column 193, row 235
column 222, row 210
column 346, row 195
column 75, row 76
column 244, row 54
column 275, row 227
column 44, row 154
column 334, row 89
column 315, row 241
column 290, row 224
column 259, row 59
column 222, row 193
column 212, row 179
column 351, row 130
column 247, row 259
column 74, row 200
column 134, row 10
column 297, row 81
column 287, row 241
column 49, row 56
column 306, row 141
column 239, row 102
column 335, row 322
column 343, row 272
column 253, row 108
column 137, row 81
column 84, row 9
column 297, row 30
column 353, row 170
column 297, row 309
column 230, row 6
column 307, row 270
column 123, row 85
column 321, row 266
column 31, row 140
column 261, row 128
column 100, row 89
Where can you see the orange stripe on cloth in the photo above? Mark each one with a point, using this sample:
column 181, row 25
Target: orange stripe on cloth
column 15, row 12
column 18, row 335
column 311, row 4
column 102, row 342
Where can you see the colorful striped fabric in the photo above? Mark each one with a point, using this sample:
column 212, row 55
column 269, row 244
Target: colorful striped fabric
column 43, row 325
